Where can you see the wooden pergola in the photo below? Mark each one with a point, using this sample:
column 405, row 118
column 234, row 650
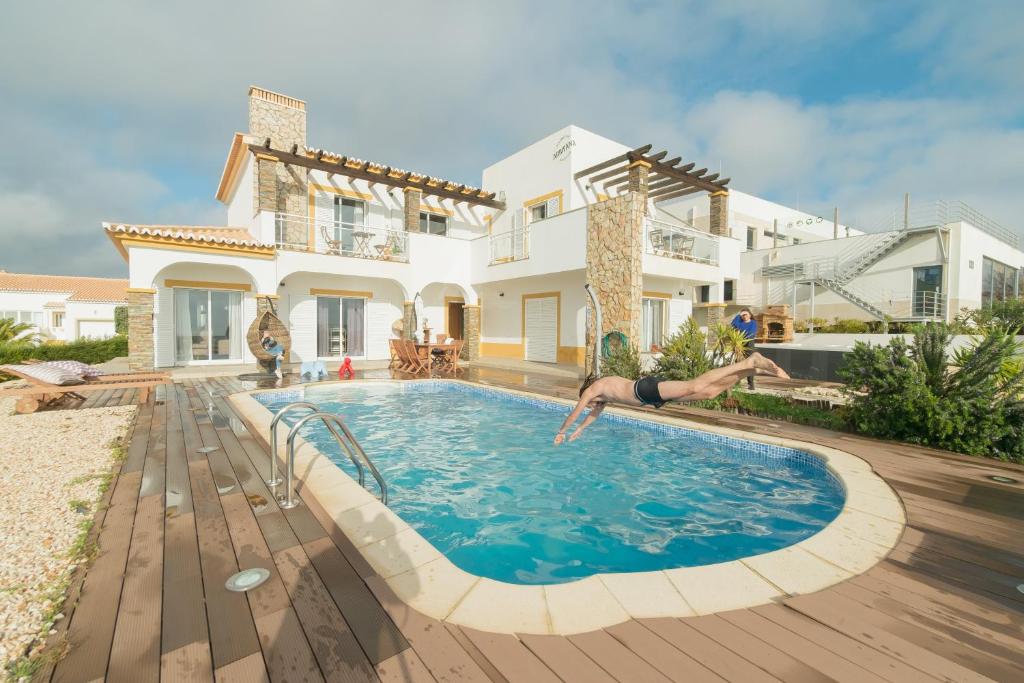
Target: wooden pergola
column 666, row 179
column 330, row 163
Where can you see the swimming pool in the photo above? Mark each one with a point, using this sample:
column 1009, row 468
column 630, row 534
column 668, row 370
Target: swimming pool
column 473, row 470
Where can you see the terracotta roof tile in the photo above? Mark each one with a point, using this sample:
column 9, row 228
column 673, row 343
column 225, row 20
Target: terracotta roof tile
column 192, row 233
column 80, row 288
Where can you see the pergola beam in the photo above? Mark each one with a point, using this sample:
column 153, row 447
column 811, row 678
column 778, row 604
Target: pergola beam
column 384, row 177
column 680, row 193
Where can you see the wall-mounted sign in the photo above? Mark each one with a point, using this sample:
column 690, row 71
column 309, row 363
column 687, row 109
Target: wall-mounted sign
column 563, row 148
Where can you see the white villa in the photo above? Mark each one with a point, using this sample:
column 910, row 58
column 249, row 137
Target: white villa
column 62, row 307
column 345, row 250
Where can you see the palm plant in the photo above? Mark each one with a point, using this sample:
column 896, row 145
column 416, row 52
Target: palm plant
column 13, row 331
column 729, row 345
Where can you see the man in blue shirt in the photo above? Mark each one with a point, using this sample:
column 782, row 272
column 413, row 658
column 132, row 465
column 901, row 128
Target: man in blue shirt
column 745, row 323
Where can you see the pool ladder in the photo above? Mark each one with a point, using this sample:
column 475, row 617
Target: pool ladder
column 341, row 433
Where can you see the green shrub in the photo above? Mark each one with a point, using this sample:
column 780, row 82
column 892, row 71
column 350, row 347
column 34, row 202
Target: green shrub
column 779, row 408
column 121, row 320
column 623, row 361
column 685, row 354
column 91, row 351
column 907, row 393
column 848, row 326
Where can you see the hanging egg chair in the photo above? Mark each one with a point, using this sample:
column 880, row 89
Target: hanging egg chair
column 268, row 322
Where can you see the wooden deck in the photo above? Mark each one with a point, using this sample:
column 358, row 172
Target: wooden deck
column 945, row 605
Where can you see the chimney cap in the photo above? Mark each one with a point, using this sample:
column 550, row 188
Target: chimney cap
column 276, row 97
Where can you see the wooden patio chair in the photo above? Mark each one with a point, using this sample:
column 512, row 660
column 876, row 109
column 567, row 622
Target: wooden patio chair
column 396, row 357
column 451, row 357
column 40, row 394
column 416, row 363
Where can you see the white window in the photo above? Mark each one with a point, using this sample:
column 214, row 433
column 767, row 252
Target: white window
column 58, row 320
column 751, row 238
column 29, row 317
column 653, row 324
column 340, row 326
column 433, row 224
column 538, row 212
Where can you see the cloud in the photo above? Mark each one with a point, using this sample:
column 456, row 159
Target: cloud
column 124, row 111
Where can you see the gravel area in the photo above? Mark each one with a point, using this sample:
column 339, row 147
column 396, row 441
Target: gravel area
column 51, row 467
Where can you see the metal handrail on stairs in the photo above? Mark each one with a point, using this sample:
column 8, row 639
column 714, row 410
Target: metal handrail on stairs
column 351, row 447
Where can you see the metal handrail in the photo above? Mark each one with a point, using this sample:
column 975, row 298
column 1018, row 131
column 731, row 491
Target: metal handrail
column 275, row 476
column 288, row 500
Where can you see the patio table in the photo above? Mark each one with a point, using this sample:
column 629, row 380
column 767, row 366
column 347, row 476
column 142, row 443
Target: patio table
column 362, row 243
column 426, row 351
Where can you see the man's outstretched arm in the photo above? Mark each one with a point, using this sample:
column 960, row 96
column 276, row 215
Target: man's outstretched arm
column 581, row 405
column 595, row 413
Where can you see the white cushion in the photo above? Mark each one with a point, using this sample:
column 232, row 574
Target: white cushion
column 48, row 374
column 76, row 366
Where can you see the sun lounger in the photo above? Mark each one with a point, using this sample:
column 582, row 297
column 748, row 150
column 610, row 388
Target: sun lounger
column 41, row 393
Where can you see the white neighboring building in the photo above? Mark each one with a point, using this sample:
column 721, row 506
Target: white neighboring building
column 62, row 307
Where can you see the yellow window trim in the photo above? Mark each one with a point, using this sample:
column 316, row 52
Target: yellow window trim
column 340, row 292
column 558, row 318
column 140, row 290
column 345, row 192
column 436, row 210
column 206, row 284
column 544, row 197
column 657, row 295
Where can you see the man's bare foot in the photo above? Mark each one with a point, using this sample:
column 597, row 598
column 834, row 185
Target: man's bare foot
column 765, row 366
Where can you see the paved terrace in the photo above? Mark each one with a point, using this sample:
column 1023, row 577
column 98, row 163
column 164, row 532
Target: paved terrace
column 945, row 604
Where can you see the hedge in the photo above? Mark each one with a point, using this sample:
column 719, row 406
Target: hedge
column 91, row 351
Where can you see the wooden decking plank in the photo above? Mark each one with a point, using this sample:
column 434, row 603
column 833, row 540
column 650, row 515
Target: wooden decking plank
column 771, row 659
column 285, row 649
column 135, row 651
column 185, row 636
column 193, row 442
column 91, row 630
column 809, row 652
column 405, row 667
column 251, row 551
column 92, row 398
column 377, row 634
column 232, row 631
column 474, row 653
column 998, row 587
column 965, row 530
column 976, row 553
column 115, row 398
column 510, row 656
column 154, row 470
column 664, row 657
column 959, row 600
column 920, row 612
column 615, row 658
column 335, row 647
column 438, row 649
column 136, row 457
column 879, row 663
column 565, row 659
column 705, row 650
column 919, row 647
column 130, row 397
column 848, row 617
column 251, row 669
column 178, row 491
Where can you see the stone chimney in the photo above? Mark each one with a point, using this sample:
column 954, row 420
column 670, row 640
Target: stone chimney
column 278, row 117
column 280, row 188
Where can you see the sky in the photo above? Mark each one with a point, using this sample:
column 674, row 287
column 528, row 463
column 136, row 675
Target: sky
column 124, row 111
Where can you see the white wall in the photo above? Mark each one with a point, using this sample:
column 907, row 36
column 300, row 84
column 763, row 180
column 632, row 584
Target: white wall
column 241, row 207
column 968, row 247
column 556, row 245
column 74, row 313
column 501, row 316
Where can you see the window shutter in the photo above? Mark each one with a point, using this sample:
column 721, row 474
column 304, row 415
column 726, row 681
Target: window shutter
column 553, row 206
column 323, row 217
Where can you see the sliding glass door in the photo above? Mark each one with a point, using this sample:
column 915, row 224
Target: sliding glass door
column 340, row 326
column 207, row 325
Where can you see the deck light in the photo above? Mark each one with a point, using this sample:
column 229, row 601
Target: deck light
column 247, row 579
column 207, row 449
column 1003, row 480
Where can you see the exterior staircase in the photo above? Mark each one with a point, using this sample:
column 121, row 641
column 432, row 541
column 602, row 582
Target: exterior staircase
column 852, row 296
column 852, row 264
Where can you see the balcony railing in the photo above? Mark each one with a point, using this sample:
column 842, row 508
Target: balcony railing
column 513, row 245
column 337, row 238
column 680, row 242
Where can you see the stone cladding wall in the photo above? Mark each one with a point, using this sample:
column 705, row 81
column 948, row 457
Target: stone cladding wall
column 719, row 223
column 280, row 188
column 140, row 330
column 471, row 332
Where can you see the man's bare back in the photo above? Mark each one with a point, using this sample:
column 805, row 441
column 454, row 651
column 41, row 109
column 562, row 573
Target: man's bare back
column 652, row 391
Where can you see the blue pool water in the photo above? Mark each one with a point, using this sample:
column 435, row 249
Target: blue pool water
column 475, row 472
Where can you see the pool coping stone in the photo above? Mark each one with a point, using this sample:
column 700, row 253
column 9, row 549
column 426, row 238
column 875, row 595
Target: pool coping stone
column 865, row 531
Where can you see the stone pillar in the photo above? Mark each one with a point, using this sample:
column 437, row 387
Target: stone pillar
column 140, row 329
column 716, row 314
column 638, row 173
column 615, row 267
column 280, row 188
column 409, row 320
column 720, row 213
column 413, row 195
column 471, row 331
